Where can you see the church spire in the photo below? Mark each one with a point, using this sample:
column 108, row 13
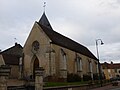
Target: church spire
column 44, row 20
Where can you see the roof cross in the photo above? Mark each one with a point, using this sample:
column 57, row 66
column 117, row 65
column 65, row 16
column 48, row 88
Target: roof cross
column 44, row 6
column 15, row 40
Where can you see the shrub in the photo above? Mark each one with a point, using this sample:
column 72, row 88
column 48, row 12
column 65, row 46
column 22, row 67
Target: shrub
column 86, row 77
column 73, row 78
column 95, row 76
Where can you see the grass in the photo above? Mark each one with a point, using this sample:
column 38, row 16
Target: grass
column 52, row 84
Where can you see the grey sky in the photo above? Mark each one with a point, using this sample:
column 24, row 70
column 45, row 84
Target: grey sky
column 81, row 20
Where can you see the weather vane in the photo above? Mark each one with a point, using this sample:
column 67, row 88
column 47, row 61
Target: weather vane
column 44, row 6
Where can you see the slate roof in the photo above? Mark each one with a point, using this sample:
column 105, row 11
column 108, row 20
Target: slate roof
column 63, row 41
column 11, row 55
column 44, row 21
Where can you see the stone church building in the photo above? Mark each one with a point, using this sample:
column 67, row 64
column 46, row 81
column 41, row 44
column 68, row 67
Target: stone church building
column 46, row 48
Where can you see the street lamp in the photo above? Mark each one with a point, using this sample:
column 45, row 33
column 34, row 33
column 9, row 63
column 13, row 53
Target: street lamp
column 101, row 43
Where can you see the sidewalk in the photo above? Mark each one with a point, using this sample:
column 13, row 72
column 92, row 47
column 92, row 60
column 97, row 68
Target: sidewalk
column 108, row 87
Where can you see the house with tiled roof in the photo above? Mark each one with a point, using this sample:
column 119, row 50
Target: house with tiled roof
column 12, row 57
column 111, row 70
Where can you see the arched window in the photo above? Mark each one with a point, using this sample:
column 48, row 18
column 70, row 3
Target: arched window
column 78, row 64
column 90, row 66
column 63, row 60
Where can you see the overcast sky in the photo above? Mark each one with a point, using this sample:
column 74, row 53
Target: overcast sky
column 83, row 21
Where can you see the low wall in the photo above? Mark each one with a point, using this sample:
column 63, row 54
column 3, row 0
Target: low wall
column 73, row 87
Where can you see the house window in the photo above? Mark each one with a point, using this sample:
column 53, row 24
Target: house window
column 115, row 70
column 109, row 70
column 20, row 61
column 20, row 67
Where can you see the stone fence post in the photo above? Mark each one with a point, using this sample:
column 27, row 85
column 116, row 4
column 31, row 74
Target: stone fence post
column 4, row 73
column 39, row 78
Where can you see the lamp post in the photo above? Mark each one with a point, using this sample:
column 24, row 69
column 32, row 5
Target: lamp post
column 100, row 76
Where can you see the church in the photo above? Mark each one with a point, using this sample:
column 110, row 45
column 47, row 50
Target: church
column 56, row 53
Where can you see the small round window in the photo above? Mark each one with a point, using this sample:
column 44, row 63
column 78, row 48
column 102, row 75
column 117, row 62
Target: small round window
column 35, row 45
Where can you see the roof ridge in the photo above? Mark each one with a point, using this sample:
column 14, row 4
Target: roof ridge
column 10, row 48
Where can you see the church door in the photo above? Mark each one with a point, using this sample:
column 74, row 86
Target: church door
column 35, row 65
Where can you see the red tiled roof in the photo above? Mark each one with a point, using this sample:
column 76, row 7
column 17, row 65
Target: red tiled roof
column 110, row 66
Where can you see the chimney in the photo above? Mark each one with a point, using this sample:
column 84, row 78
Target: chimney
column 111, row 62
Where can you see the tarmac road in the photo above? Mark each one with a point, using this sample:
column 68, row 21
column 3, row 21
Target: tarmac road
column 115, row 89
column 108, row 87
